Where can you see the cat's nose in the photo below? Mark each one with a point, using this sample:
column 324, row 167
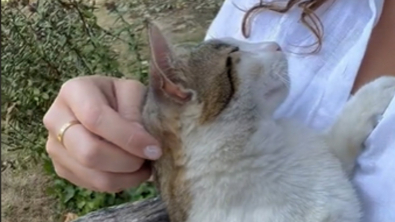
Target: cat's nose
column 270, row 46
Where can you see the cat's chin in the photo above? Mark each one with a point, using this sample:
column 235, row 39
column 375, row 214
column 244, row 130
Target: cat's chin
column 269, row 61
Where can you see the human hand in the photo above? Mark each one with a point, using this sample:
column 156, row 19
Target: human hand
column 107, row 149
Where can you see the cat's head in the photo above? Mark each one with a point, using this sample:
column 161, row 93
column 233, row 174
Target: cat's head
column 211, row 79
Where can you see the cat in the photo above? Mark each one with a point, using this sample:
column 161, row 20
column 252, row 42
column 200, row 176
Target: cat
column 226, row 159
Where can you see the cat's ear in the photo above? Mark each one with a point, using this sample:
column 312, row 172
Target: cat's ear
column 162, row 76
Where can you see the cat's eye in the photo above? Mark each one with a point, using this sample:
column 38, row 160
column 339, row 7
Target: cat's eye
column 229, row 62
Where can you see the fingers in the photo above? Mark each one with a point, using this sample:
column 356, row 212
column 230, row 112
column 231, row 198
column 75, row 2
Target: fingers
column 99, row 154
column 130, row 96
column 101, row 119
column 106, row 151
column 90, row 178
column 88, row 149
column 64, row 173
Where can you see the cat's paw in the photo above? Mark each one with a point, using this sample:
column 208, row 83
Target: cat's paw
column 368, row 104
column 371, row 100
column 359, row 118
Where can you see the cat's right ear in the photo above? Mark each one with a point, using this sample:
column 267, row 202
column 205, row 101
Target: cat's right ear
column 162, row 76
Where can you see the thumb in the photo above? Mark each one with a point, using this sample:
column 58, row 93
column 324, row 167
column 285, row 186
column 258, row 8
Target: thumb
column 130, row 96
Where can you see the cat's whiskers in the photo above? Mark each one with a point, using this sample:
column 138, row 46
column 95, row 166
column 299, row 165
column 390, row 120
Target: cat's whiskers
column 283, row 80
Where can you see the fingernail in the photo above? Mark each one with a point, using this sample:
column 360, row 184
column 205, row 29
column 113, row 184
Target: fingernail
column 152, row 152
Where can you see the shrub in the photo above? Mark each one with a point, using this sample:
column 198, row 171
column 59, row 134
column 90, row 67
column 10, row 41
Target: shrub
column 43, row 45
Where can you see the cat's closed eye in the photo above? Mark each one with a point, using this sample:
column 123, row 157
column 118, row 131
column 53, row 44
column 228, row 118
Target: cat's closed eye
column 229, row 62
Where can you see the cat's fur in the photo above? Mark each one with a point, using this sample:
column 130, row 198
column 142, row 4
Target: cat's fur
column 225, row 159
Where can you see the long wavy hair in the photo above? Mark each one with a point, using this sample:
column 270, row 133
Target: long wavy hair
column 308, row 16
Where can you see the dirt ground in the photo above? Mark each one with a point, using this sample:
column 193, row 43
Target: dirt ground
column 23, row 191
column 23, row 196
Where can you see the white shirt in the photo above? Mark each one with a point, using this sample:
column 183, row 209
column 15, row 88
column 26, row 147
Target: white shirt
column 322, row 82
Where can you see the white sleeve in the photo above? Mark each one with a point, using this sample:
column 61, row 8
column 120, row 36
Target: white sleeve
column 375, row 173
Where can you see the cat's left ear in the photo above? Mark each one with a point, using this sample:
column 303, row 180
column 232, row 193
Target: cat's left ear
column 162, row 76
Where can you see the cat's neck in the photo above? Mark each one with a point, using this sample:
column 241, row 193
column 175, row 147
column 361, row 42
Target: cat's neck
column 222, row 140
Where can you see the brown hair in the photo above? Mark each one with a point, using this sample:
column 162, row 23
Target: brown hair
column 308, row 17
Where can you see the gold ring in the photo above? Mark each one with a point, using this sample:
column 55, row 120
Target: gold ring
column 64, row 128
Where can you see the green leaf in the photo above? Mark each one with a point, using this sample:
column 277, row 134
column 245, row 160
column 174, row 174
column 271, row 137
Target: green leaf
column 81, row 204
column 45, row 96
column 70, row 191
